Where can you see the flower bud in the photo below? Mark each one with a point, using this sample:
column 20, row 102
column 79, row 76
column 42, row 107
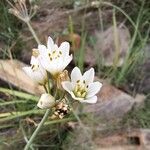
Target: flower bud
column 46, row 101
column 35, row 52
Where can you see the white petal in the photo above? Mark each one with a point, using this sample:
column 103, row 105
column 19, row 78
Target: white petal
column 54, row 67
column 42, row 70
column 50, row 43
column 34, row 60
column 44, row 60
column 65, row 47
column 76, row 74
column 68, row 86
column 37, row 76
column 91, row 100
column 66, row 61
column 93, row 89
column 42, row 49
column 88, row 76
column 55, row 47
column 46, row 101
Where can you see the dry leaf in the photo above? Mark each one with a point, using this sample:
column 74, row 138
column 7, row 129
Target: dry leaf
column 11, row 71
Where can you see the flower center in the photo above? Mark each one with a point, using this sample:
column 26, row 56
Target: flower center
column 80, row 89
column 34, row 67
column 54, row 55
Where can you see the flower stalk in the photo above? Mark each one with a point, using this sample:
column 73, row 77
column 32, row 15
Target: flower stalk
column 33, row 32
column 37, row 129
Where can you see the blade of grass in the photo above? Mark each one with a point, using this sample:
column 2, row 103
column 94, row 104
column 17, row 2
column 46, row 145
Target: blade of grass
column 12, row 102
column 19, row 94
column 125, row 65
column 14, row 115
column 81, row 53
column 7, row 126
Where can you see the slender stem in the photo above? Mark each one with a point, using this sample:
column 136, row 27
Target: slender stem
column 37, row 129
column 49, row 88
column 33, row 32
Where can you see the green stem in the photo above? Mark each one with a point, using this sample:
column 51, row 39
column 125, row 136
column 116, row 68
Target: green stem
column 33, row 32
column 37, row 129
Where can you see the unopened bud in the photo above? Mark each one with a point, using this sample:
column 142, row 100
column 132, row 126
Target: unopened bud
column 46, row 101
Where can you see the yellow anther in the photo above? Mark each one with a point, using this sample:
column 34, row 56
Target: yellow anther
column 54, row 52
column 76, row 89
column 34, row 67
column 83, row 95
column 78, row 81
column 78, row 94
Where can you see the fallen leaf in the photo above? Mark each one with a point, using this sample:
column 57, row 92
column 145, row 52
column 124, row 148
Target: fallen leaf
column 11, row 72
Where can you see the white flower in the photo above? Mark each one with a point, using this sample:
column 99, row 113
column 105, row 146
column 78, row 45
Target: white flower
column 46, row 101
column 53, row 58
column 82, row 88
column 36, row 72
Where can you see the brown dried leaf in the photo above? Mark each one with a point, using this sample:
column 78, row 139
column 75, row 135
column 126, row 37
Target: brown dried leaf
column 11, row 71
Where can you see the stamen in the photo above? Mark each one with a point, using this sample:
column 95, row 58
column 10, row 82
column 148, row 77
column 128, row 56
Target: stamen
column 83, row 95
column 80, row 89
column 79, row 94
column 54, row 52
column 78, row 81
column 32, row 66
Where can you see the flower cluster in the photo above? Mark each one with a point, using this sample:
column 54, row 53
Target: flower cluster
column 47, row 68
